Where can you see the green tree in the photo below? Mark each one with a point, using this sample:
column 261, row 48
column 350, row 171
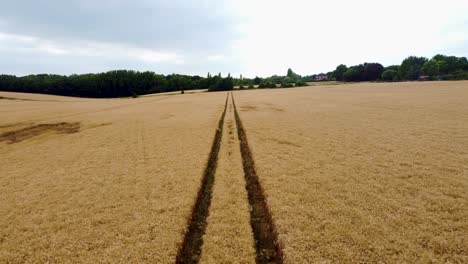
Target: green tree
column 431, row 68
column 451, row 64
column 353, row 74
column 389, row 75
column 222, row 84
column 257, row 80
column 411, row 67
column 292, row 75
column 339, row 72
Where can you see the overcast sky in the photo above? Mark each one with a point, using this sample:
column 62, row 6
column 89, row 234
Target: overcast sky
column 249, row 37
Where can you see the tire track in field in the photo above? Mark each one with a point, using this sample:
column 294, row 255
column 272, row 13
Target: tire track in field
column 267, row 247
column 190, row 250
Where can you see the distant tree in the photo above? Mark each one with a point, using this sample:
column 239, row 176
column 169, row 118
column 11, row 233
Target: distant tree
column 372, row 71
column 125, row 83
column 451, row 64
column 292, row 75
column 222, row 84
column 267, row 84
column 300, row 84
column 431, row 68
column 287, row 80
column 443, row 66
column 257, row 80
column 464, row 63
column 339, row 72
column 393, row 67
column 389, row 75
column 353, row 74
column 411, row 67
column 120, row 83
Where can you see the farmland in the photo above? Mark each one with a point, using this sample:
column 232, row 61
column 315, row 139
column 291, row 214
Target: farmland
column 120, row 189
column 361, row 172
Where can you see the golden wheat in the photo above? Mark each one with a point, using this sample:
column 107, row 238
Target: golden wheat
column 228, row 237
column 351, row 173
column 364, row 172
column 118, row 190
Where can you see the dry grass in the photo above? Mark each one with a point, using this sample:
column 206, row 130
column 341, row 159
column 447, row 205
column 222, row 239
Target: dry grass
column 228, row 237
column 364, row 172
column 119, row 190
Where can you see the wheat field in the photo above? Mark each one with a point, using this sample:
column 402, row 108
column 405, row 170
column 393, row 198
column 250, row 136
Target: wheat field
column 119, row 190
column 364, row 172
column 355, row 173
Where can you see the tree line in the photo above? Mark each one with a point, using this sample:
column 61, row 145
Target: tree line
column 124, row 83
column 291, row 79
column 440, row 67
column 120, row 83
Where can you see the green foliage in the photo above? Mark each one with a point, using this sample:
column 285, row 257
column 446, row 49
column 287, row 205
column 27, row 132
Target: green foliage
column 300, row 84
column 363, row 72
column 451, row 64
column 338, row 74
column 411, row 67
column 431, row 68
column 267, row 85
column 125, row 83
column 372, row 71
column 390, row 75
column 286, row 85
column 222, row 84
column 257, row 80
column 292, row 76
column 353, row 74
column 287, row 80
column 461, row 76
column 121, row 83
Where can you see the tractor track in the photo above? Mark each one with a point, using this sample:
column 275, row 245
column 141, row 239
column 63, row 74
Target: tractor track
column 267, row 247
column 191, row 247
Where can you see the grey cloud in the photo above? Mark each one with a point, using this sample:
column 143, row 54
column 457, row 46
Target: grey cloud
column 77, row 36
column 161, row 24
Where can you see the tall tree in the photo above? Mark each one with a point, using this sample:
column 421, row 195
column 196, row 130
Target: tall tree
column 431, row 68
column 372, row 71
column 411, row 67
column 339, row 72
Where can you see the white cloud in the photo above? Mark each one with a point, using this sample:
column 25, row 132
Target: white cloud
column 30, row 44
column 316, row 36
column 12, row 38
